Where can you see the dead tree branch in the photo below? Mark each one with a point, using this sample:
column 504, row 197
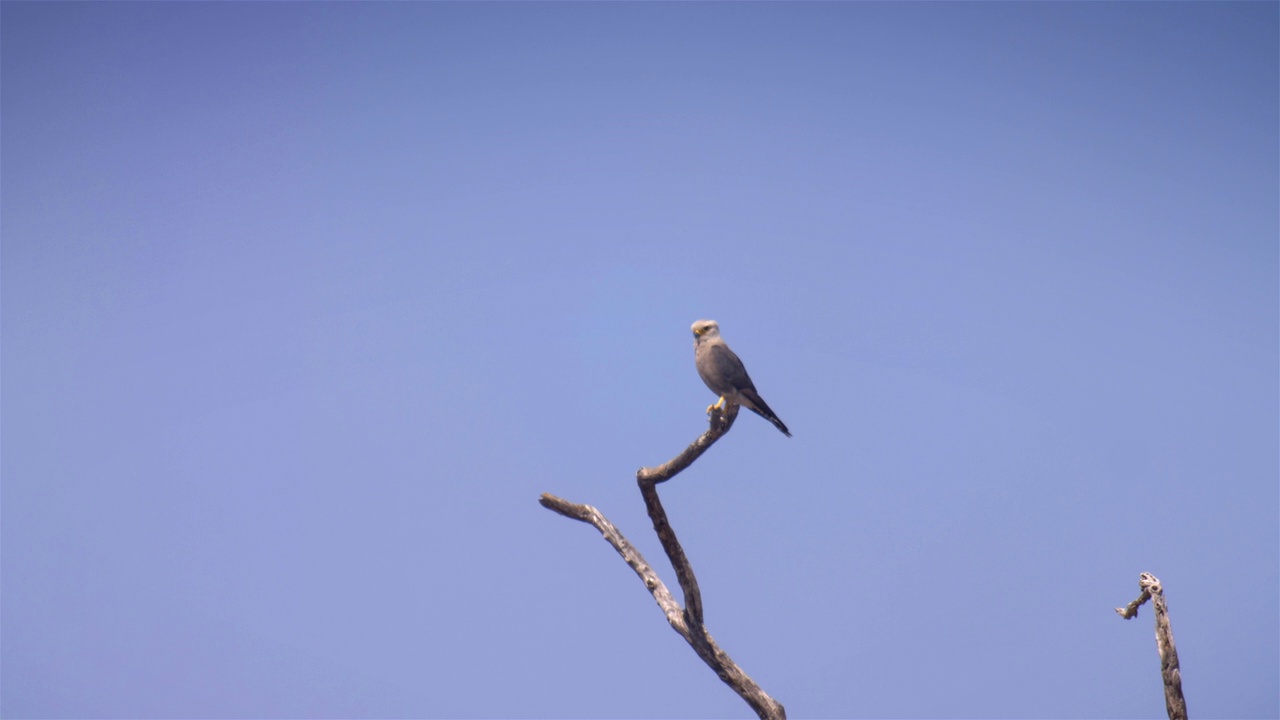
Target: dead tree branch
column 1170, row 671
column 687, row 621
column 587, row 514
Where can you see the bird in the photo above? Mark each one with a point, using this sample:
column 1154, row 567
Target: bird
column 725, row 374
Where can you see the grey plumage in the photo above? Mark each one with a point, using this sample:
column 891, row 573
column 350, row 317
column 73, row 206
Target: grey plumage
column 725, row 374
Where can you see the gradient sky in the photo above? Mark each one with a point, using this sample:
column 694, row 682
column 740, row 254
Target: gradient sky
column 304, row 304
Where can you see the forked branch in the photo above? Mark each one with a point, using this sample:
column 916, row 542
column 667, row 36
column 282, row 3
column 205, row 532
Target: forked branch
column 1170, row 671
column 686, row 621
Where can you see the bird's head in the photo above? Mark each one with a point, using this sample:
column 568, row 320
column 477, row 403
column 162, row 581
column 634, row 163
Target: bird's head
column 706, row 329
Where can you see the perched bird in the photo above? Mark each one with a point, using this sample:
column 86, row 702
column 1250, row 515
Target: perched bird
column 725, row 374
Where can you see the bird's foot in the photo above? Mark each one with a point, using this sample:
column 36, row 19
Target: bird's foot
column 718, row 405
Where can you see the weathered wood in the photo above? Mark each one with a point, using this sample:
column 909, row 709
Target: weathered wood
column 648, row 479
column 688, row 622
column 720, row 420
column 587, row 514
column 1170, row 671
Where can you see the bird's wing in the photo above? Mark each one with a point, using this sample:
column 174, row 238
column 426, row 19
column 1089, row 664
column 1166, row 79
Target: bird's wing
column 728, row 369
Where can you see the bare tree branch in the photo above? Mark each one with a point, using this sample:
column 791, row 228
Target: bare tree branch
column 1170, row 671
column 648, row 576
column 648, row 479
column 721, row 421
column 1131, row 610
column 687, row 622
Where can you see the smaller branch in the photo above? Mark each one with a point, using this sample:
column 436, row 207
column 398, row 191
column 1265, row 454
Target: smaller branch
column 721, row 420
column 1170, row 671
column 671, row 545
column 1131, row 610
column 591, row 516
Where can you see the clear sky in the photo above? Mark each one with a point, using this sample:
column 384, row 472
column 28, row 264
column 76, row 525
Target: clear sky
column 304, row 305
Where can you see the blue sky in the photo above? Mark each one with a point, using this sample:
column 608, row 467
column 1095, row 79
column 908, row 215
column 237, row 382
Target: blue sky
column 304, row 304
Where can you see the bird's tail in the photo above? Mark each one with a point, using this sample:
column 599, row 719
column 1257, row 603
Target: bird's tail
column 757, row 405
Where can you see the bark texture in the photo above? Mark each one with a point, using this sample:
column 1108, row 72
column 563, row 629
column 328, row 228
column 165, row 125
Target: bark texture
column 1170, row 671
